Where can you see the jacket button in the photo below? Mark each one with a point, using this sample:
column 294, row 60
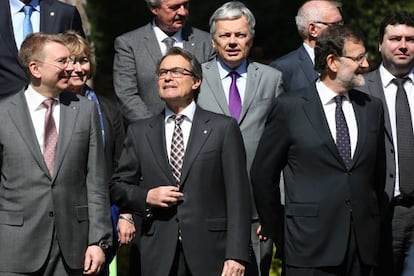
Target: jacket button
column 51, row 214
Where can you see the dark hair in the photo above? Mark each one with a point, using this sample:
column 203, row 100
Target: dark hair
column 332, row 41
column 395, row 18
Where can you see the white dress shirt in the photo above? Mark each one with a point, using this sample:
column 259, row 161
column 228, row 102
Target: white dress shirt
column 390, row 92
column 38, row 111
column 327, row 98
column 226, row 79
column 185, row 125
column 17, row 17
column 160, row 35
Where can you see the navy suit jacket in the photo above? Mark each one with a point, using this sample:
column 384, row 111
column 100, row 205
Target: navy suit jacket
column 297, row 69
column 55, row 17
column 320, row 192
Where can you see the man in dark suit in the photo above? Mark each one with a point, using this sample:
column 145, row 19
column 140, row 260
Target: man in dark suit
column 328, row 139
column 48, row 16
column 55, row 212
column 183, row 172
column 312, row 18
column 137, row 53
column 257, row 84
column 396, row 45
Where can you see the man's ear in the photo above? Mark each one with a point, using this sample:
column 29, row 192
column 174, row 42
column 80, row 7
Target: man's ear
column 34, row 69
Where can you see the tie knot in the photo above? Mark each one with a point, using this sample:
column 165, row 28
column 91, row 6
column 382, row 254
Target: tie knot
column 27, row 9
column 48, row 103
column 179, row 118
column 400, row 81
column 338, row 100
column 169, row 42
column 234, row 75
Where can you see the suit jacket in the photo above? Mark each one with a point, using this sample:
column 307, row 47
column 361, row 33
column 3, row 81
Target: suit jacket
column 74, row 201
column 373, row 86
column 55, row 17
column 213, row 215
column 136, row 56
column 263, row 85
column 319, row 191
column 297, row 69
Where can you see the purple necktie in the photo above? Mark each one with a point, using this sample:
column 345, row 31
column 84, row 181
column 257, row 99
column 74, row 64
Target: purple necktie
column 51, row 136
column 235, row 104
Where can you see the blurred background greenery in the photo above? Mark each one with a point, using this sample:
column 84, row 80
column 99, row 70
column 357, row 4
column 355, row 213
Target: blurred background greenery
column 275, row 35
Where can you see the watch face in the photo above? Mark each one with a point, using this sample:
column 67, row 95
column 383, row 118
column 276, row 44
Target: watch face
column 104, row 245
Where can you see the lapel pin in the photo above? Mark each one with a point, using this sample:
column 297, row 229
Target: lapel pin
column 205, row 131
column 52, row 13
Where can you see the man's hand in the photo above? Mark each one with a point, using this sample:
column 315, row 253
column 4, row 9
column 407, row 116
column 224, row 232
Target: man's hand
column 259, row 234
column 94, row 260
column 163, row 196
column 126, row 230
column 232, row 268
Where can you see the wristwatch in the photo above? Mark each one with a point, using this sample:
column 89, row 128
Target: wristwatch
column 103, row 244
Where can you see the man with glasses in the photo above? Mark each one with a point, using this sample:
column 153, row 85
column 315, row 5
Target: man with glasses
column 55, row 212
column 393, row 83
column 183, row 172
column 328, row 139
column 313, row 17
column 137, row 53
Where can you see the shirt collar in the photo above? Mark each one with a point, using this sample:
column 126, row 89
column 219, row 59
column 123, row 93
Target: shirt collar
column 17, row 5
column 387, row 77
column 224, row 70
column 188, row 112
column 35, row 99
column 326, row 94
column 310, row 51
column 161, row 35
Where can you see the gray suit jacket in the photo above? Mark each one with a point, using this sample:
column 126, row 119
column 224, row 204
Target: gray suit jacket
column 55, row 17
column 297, row 69
column 263, row 85
column 213, row 215
column 136, row 56
column 74, row 201
column 373, row 86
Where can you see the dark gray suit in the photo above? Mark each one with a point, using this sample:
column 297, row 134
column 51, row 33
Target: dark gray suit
column 214, row 214
column 297, row 69
column 74, row 202
column 136, row 56
column 55, row 17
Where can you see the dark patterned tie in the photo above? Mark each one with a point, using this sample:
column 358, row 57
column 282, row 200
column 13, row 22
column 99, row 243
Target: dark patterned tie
column 343, row 142
column 235, row 104
column 51, row 136
column 405, row 139
column 169, row 42
column 177, row 148
column 27, row 23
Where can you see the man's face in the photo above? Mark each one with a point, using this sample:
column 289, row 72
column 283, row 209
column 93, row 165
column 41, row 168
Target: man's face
column 174, row 88
column 55, row 68
column 352, row 65
column 232, row 41
column 397, row 49
column 171, row 15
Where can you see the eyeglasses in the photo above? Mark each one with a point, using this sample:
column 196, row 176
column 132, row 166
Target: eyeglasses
column 175, row 72
column 59, row 63
column 340, row 23
column 358, row 59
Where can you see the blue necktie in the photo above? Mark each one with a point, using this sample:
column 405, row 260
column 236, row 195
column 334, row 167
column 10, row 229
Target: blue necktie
column 27, row 24
column 343, row 142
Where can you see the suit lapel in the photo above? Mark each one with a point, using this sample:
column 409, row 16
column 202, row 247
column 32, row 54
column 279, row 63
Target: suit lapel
column 69, row 110
column 6, row 27
column 307, row 65
column 361, row 118
column 151, row 43
column 216, row 87
column 253, row 80
column 188, row 40
column 200, row 131
column 156, row 140
column 314, row 111
column 20, row 116
column 47, row 16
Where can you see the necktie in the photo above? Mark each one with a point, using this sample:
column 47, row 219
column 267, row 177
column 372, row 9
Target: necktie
column 405, row 139
column 27, row 24
column 169, row 42
column 177, row 148
column 343, row 142
column 235, row 105
column 51, row 136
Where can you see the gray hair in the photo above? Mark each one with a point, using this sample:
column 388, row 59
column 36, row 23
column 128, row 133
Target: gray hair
column 154, row 3
column 232, row 10
column 310, row 12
